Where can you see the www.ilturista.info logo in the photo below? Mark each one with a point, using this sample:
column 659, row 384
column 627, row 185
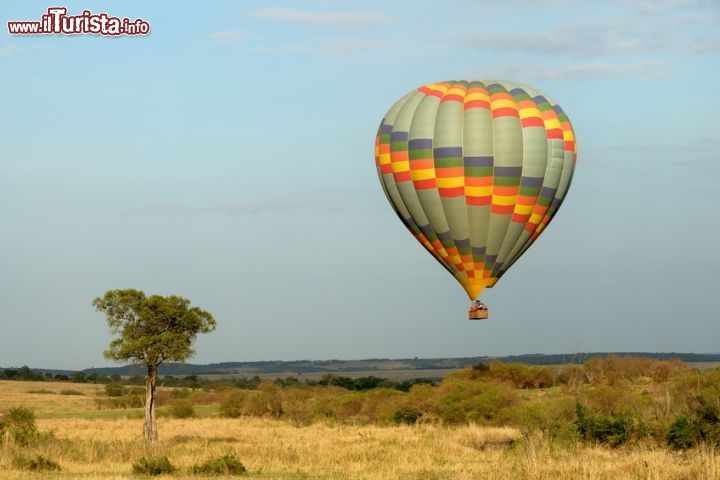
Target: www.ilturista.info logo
column 58, row 22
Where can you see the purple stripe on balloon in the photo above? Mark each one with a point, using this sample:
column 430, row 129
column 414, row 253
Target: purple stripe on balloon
column 548, row 192
column 507, row 171
column 448, row 152
column 386, row 128
column 478, row 161
column 420, row 143
column 479, row 251
column 445, row 237
column 534, row 182
column 426, row 230
column 463, row 244
column 399, row 136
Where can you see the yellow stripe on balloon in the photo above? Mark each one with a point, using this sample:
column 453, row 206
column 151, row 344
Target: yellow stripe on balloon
column 401, row 166
column 529, row 112
column 535, row 218
column 423, row 174
column 504, row 199
column 524, row 209
column 503, row 103
column 450, row 182
column 552, row 123
column 475, row 95
column 478, row 191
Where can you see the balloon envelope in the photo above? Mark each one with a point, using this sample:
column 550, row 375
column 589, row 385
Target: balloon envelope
column 475, row 170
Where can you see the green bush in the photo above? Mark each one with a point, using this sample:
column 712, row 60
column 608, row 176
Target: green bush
column 612, row 430
column 406, row 416
column 702, row 424
column 153, row 466
column 683, row 433
column 19, row 424
column 459, row 400
column 225, row 465
column 233, row 405
column 36, row 464
column 72, row 392
column 182, row 409
column 114, row 390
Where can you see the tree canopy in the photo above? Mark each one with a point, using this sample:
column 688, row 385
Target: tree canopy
column 152, row 329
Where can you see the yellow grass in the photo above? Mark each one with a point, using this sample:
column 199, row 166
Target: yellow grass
column 88, row 447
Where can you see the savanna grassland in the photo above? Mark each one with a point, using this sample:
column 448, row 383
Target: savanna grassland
column 612, row 418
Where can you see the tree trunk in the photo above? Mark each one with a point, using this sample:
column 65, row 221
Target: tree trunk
column 150, row 426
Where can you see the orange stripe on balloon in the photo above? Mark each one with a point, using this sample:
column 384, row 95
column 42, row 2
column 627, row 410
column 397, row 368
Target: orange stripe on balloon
column 452, row 192
column 424, row 184
column 479, row 200
column 506, row 191
column 402, row 176
column 532, row 122
column 476, row 104
column 505, row 112
column 422, row 164
column 479, row 181
column 450, row 172
column 503, row 209
column 452, row 97
column 430, row 92
column 526, row 200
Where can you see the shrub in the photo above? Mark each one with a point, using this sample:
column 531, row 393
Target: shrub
column 702, row 425
column 612, row 430
column 36, row 464
column 406, row 415
column 153, row 466
column 459, row 400
column 683, row 433
column 42, row 391
column 114, row 390
column 233, row 404
column 182, row 409
column 19, row 424
column 71, row 392
column 225, row 465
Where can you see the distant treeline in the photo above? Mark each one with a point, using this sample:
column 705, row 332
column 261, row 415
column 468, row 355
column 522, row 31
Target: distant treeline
column 197, row 382
column 338, row 367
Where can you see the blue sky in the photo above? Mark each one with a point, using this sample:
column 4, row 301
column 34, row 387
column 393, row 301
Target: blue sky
column 228, row 157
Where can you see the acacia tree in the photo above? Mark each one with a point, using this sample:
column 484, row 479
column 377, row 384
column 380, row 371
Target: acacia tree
column 151, row 330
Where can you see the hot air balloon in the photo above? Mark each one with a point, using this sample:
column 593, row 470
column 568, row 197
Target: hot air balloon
column 475, row 170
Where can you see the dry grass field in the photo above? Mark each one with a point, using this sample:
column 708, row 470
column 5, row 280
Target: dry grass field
column 90, row 444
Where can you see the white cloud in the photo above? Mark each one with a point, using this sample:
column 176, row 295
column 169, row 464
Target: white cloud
column 322, row 18
column 9, row 49
column 337, row 47
column 229, row 36
column 279, row 204
column 579, row 39
column 584, row 71
column 654, row 7
column 708, row 45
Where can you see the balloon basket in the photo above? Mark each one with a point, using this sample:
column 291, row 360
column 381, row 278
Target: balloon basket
column 478, row 315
